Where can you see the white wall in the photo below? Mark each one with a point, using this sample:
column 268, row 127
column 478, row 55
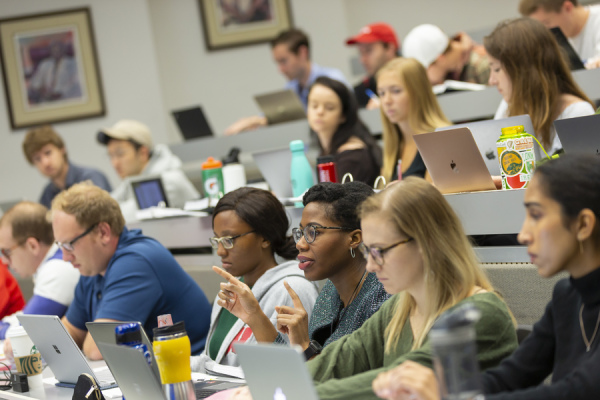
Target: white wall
column 130, row 79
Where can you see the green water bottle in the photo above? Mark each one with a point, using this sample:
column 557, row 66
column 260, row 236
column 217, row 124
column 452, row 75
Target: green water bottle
column 516, row 156
column 212, row 180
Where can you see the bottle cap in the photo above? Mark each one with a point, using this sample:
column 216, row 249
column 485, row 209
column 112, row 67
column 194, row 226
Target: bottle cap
column 325, row 159
column 297, row 145
column 211, row 163
column 513, row 130
column 169, row 330
column 128, row 333
column 233, row 157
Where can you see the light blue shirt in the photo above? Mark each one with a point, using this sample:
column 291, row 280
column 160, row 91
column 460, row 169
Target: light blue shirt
column 315, row 72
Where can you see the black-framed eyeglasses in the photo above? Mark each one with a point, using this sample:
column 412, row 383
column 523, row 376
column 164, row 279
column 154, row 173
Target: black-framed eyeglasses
column 68, row 246
column 7, row 252
column 226, row 241
column 378, row 252
column 310, row 232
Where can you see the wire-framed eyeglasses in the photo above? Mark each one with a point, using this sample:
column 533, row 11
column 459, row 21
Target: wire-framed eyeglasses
column 226, row 241
column 310, row 232
column 7, row 252
column 378, row 252
column 69, row 246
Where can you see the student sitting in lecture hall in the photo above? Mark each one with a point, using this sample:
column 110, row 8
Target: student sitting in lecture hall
column 250, row 227
column 529, row 71
column 561, row 232
column 333, row 115
column 327, row 241
column 417, row 248
column 408, row 107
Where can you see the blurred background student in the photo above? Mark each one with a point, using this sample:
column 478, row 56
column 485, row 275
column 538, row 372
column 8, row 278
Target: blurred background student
column 333, row 115
column 250, row 228
column 561, row 232
column 528, row 69
column 408, row 107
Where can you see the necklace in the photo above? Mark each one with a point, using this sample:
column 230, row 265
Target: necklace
column 335, row 323
column 588, row 343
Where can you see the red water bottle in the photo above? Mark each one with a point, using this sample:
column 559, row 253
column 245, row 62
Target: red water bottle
column 326, row 171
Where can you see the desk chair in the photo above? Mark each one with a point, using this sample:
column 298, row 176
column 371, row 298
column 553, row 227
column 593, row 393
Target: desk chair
column 525, row 292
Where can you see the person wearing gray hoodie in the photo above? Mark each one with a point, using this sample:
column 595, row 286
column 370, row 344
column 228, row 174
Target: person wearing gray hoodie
column 133, row 155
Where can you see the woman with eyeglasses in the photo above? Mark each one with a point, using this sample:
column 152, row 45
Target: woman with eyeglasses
column 250, row 227
column 561, row 232
column 327, row 241
column 417, row 249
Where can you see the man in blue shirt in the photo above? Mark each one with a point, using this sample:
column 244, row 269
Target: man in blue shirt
column 45, row 149
column 291, row 52
column 125, row 276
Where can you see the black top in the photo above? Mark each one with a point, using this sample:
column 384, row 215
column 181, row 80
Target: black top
column 360, row 91
column 555, row 347
column 417, row 168
column 360, row 163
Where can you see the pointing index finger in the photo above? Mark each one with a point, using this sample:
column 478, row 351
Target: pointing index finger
column 295, row 299
column 230, row 278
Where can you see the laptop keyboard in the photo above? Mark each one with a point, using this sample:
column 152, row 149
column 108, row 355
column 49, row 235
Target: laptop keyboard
column 204, row 389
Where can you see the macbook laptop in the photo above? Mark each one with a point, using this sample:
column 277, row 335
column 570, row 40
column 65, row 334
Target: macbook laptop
column 281, row 106
column 486, row 133
column 274, row 165
column 454, row 161
column 104, row 332
column 149, row 192
column 275, row 372
column 60, row 351
column 137, row 380
column 192, row 123
column 571, row 55
column 579, row 135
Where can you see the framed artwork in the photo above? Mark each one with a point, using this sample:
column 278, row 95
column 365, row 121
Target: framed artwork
column 50, row 68
column 232, row 23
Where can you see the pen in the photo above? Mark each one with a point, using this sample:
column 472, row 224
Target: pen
column 372, row 95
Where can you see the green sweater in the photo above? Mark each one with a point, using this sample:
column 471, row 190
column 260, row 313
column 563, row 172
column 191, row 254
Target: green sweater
column 347, row 367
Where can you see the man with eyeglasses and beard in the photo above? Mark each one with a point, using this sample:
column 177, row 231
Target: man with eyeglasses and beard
column 125, row 276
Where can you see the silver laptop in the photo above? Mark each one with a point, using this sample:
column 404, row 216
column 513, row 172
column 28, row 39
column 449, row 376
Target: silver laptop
column 453, row 161
column 104, row 332
column 275, row 372
column 486, row 133
column 280, row 106
column 579, row 135
column 60, row 351
column 274, row 165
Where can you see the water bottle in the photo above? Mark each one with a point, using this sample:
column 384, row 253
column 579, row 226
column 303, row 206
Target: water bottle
column 516, row 155
column 130, row 335
column 300, row 171
column 455, row 354
column 212, row 179
column 326, row 171
column 234, row 174
column 172, row 351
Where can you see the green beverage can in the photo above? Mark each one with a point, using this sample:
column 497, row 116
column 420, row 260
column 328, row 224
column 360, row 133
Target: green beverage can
column 212, row 180
column 516, row 156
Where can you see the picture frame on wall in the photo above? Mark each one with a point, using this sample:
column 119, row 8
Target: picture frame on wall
column 50, row 68
column 234, row 23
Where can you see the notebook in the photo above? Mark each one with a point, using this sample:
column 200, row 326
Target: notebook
column 579, row 135
column 454, row 161
column 137, row 380
column 60, row 351
column 104, row 332
column 149, row 192
column 486, row 133
column 192, row 123
column 274, row 165
column 571, row 55
column 275, row 372
column 281, row 106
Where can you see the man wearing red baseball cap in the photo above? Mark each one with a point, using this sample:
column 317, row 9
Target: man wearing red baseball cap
column 377, row 44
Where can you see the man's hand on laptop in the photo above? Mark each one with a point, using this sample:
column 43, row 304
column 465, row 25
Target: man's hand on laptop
column 246, row 124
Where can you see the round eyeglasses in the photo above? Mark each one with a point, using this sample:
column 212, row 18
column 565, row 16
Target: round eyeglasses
column 378, row 252
column 68, row 246
column 226, row 241
column 310, row 232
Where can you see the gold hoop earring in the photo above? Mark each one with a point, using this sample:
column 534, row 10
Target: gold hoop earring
column 352, row 253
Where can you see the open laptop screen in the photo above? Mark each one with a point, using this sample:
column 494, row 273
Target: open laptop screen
column 149, row 193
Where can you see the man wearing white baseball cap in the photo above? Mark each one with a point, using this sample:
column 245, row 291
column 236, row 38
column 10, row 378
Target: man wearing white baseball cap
column 132, row 153
column 457, row 58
